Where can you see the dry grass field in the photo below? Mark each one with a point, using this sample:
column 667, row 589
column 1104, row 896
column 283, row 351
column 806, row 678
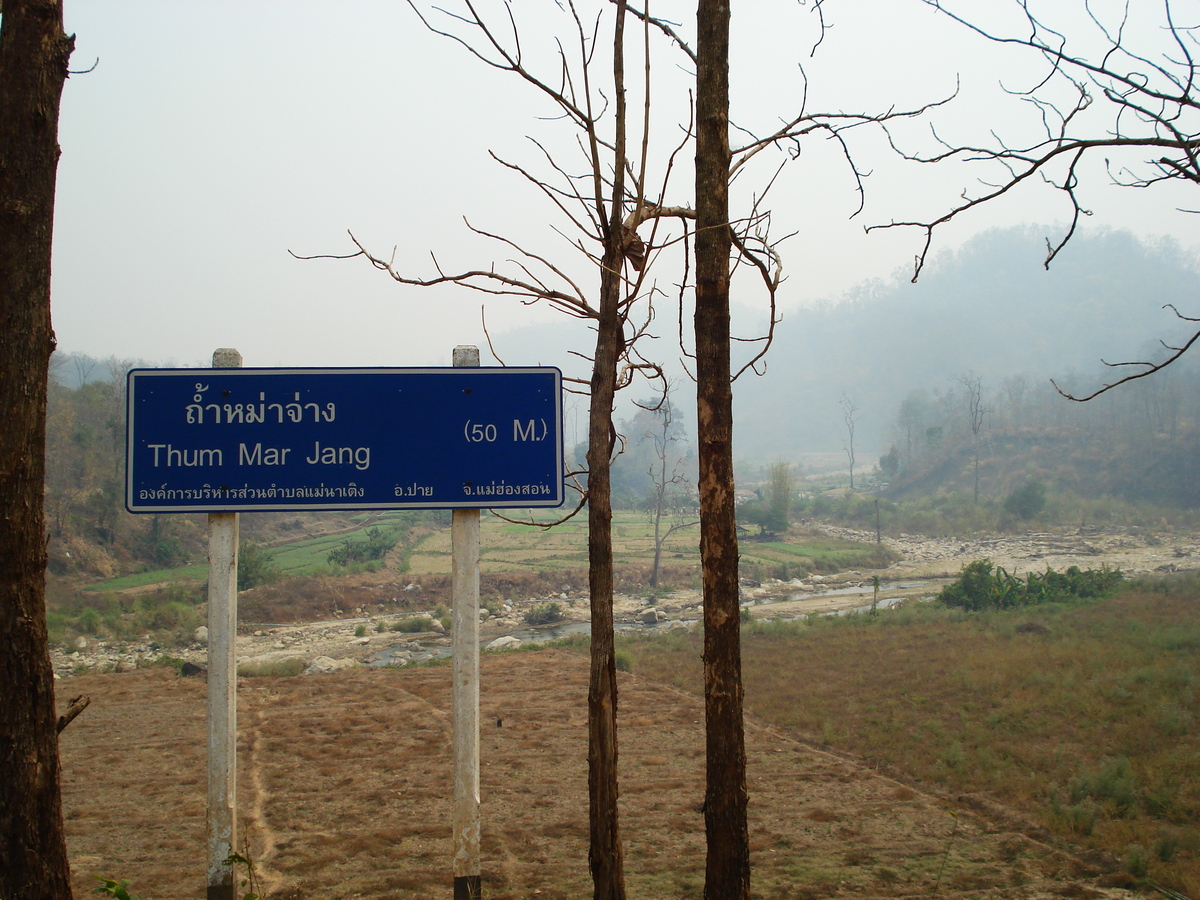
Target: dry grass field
column 345, row 791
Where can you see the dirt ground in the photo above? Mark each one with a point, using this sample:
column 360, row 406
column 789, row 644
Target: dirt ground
column 345, row 790
column 345, row 779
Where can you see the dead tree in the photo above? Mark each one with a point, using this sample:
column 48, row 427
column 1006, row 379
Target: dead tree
column 976, row 413
column 668, row 479
column 604, row 204
column 34, row 52
column 1130, row 100
column 850, row 420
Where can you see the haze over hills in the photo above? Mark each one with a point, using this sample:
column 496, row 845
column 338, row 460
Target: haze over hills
column 990, row 308
column 904, row 356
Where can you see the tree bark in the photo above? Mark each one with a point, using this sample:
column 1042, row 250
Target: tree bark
column 606, row 856
column 34, row 52
column 727, row 875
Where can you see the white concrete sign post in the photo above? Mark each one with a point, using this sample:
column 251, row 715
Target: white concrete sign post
column 464, row 547
column 222, row 687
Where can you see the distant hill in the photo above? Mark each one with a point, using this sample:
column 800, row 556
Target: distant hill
column 989, row 308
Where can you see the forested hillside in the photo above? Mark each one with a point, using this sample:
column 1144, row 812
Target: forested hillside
column 989, row 310
column 1139, row 443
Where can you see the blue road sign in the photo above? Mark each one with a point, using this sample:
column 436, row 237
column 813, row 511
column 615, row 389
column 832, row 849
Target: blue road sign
column 236, row 440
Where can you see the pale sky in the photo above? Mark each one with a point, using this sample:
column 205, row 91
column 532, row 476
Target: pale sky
column 213, row 137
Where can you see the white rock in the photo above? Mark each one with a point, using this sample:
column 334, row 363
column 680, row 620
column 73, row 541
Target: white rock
column 323, row 665
column 507, row 642
column 200, row 635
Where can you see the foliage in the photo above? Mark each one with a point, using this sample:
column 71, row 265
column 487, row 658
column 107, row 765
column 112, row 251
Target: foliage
column 1026, row 501
column 256, row 565
column 413, row 624
column 170, row 613
column 543, row 614
column 237, row 859
column 378, row 542
column 111, row 887
column 978, row 587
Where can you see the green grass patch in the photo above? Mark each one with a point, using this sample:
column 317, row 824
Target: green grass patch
column 192, row 572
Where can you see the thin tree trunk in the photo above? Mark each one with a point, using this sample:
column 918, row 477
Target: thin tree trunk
column 605, row 855
column 727, row 875
column 33, row 66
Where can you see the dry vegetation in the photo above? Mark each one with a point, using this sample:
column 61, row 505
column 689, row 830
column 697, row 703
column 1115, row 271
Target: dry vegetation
column 345, row 791
column 1079, row 717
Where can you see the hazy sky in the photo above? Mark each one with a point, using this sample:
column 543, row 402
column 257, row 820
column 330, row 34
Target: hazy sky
column 214, row 136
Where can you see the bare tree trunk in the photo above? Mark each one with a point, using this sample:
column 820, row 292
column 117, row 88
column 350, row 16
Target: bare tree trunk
column 727, row 875
column 33, row 66
column 605, row 854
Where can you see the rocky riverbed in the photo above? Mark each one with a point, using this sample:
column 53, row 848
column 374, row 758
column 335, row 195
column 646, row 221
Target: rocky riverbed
column 925, row 565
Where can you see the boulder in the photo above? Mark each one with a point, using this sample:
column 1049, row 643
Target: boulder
column 270, row 665
column 200, row 635
column 324, row 665
column 651, row 616
column 508, row 642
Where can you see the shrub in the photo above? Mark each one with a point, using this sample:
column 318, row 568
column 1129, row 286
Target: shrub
column 1113, row 783
column 375, row 547
column 979, row 587
column 413, row 624
column 1026, row 501
column 543, row 614
column 1137, row 861
column 256, row 565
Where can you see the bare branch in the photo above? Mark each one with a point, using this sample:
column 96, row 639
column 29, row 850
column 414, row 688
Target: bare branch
column 74, row 708
column 1150, row 97
column 1148, row 368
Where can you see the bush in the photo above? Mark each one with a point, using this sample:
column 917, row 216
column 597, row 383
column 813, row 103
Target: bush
column 543, row 614
column 256, row 565
column 1026, row 501
column 413, row 624
column 978, row 587
column 375, row 547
